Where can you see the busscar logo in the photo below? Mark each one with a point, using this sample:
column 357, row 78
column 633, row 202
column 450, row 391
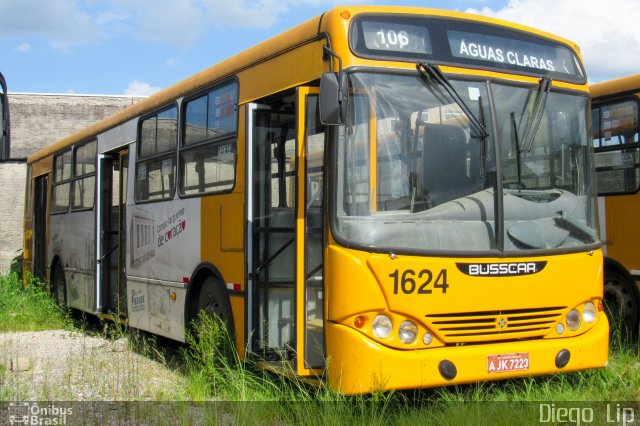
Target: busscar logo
column 501, row 269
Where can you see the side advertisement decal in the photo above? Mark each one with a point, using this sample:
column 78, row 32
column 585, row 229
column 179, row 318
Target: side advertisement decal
column 164, row 240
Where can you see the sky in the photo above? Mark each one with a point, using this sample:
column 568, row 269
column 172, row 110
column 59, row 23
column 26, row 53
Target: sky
column 137, row 47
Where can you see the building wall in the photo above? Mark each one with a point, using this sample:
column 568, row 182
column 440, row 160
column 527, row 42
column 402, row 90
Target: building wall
column 38, row 120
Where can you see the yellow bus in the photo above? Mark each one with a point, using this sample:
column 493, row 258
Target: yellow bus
column 383, row 197
column 615, row 139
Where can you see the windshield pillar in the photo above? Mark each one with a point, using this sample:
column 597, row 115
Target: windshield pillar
column 498, row 198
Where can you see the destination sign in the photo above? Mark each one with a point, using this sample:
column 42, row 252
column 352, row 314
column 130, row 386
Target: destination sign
column 465, row 43
column 518, row 53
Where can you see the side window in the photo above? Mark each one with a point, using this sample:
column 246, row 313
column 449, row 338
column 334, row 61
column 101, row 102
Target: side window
column 61, row 182
column 156, row 162
column 615, row 140
column 208, row 151
column 84, row 179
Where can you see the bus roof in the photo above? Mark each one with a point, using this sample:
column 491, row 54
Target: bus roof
column 617, row 86
column 313, row 29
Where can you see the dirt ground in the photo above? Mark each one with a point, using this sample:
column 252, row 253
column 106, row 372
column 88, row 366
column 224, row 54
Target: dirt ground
column 61, row 365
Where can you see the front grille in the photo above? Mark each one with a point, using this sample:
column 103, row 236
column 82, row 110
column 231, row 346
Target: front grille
column 470, row 327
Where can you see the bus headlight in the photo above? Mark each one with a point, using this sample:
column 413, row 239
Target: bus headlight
column 382, row 326
column 573, row 320
column 408, row 332
column 589, row 312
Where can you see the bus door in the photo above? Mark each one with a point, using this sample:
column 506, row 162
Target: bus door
column 111, row 274
column 285, row 232
column 40, row 192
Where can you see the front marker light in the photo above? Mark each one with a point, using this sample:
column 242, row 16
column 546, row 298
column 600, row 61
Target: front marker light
column 427, row 338
column 573, row 320
column 589, row 312
column 408, row 332
column 382, row 326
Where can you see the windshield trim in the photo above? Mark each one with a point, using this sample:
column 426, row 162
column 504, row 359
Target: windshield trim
column 497, row 252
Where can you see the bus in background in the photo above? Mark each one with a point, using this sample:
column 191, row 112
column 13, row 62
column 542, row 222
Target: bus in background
column 4, row 121
column 384, row 197
column 614, row 109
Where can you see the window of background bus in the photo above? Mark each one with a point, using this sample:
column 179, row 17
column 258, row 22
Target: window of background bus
column 61, row 182
column 615, row 139
column 208, row 151
column 156, row 165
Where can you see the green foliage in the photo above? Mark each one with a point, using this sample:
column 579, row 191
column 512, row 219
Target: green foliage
column 247, row 393
column 29, row 308
column 214, row 372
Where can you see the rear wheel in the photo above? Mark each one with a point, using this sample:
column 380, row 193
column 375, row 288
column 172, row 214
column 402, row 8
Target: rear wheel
column 621, row 306
column 214, row 302
column 59, row 286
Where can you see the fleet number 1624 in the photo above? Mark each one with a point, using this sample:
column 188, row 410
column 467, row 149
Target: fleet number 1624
column 421, row 282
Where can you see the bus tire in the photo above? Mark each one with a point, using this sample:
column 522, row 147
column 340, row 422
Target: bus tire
column 58, row 285
column 621, row 305
column 214, row 301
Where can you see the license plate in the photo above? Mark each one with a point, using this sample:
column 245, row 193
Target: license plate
column 508, row 362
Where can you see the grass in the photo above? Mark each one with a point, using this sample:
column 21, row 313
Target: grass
column 212, row 385
column 212, row 374
column 29, row 309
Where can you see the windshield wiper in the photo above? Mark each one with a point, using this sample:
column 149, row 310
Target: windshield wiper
column 535, row 118
column 516, row 140
column 430, row 72
column 577, row 228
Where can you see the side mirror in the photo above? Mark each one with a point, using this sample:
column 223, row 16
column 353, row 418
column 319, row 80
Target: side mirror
column 2, row 130
column 333, row 98
column 4, row 120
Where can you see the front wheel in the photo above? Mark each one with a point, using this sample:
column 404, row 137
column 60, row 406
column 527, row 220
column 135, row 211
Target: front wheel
column 621, row 306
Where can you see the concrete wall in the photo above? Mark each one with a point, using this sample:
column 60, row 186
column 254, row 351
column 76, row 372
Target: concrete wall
column 38, row 120
column 12, row 181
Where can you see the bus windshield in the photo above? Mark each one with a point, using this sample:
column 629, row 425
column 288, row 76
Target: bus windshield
column 413, row 175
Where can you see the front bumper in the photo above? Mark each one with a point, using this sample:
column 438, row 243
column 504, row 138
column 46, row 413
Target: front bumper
column 358, row 364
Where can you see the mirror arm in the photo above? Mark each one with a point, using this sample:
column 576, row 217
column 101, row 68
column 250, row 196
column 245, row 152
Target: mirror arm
column 329, row 54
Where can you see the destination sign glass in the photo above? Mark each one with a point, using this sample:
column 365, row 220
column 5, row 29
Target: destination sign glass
column 463, row 43
column 516, row 53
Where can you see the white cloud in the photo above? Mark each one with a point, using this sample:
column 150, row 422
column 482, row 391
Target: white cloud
column 140, row 88
column 606, row 32
column 259, row 14
column 182, row 23
column 60, row 21
column 179, row 23
column 67, row 23
column 24, row 48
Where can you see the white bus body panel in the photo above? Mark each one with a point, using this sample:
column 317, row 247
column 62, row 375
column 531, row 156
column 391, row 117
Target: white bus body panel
column 163, row 245
column 72, row 239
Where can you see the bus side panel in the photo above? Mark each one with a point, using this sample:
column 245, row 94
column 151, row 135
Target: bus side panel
column 163, row 245
column 73, row 241
column 621, row 229
column 222, row 246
